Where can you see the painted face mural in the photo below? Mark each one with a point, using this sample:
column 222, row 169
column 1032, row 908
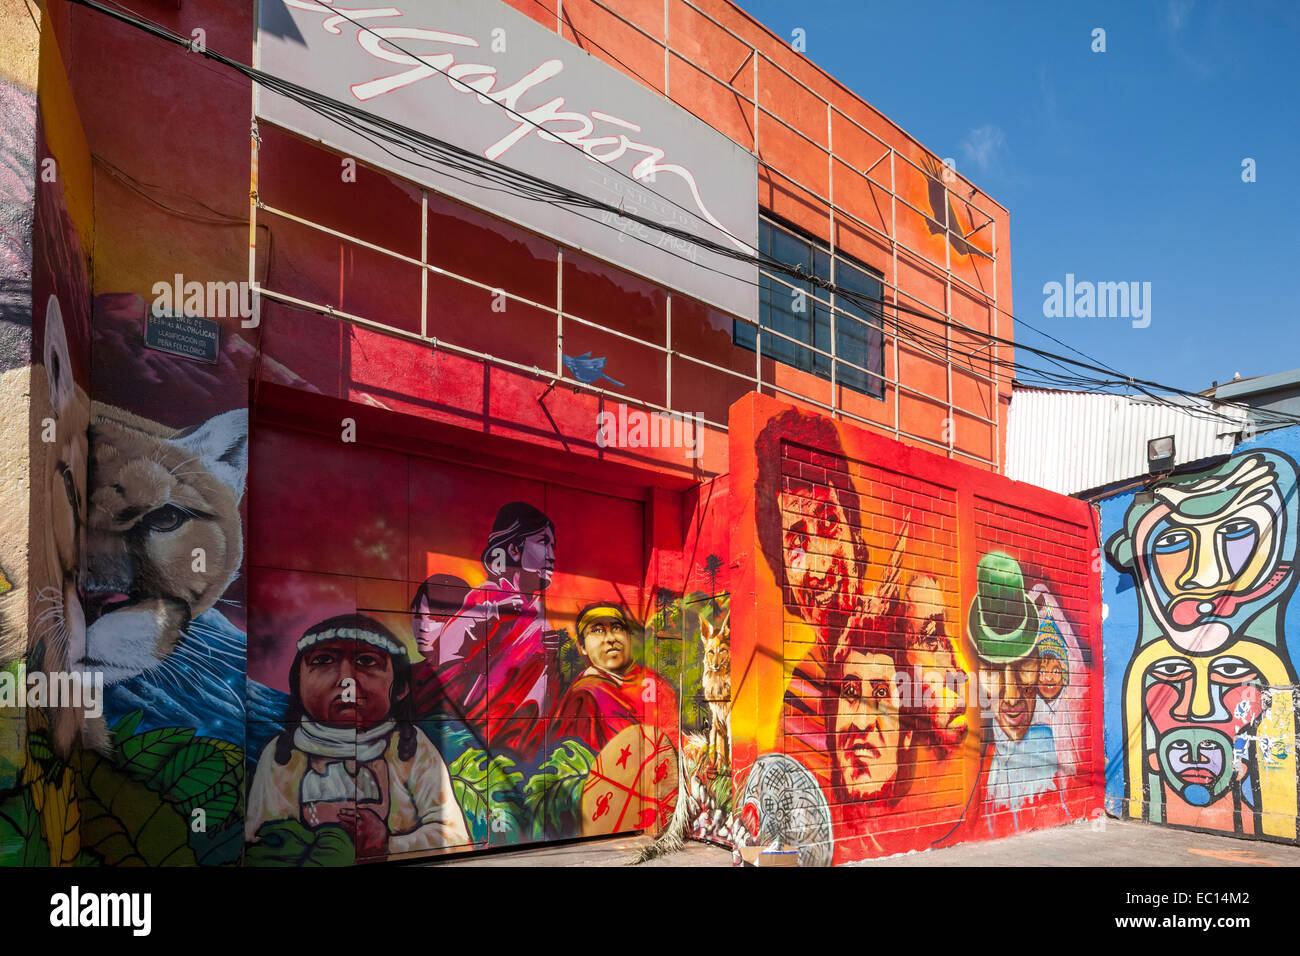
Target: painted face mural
column 1024, row 663
column 536, row 555
column 884, row 638
column 930, row 652
column 1015, row 687
column 608, row 645
column 1053, row 673
column 1210, row 552
column 497, row 662
column 1004, row 625
column 350, row 758
column 868, row 732
column 435, row 603
column 1202, row 741
column 464, row 703
column 943, row 691
column 1196, row 763
column 819, row 550
column 1208, row 690
column 346, row 682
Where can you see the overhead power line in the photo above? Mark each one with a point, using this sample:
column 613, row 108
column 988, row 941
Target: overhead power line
column 378, row 130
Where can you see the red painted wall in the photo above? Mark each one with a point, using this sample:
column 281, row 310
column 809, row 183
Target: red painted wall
column 867, row 568
column 183, row 209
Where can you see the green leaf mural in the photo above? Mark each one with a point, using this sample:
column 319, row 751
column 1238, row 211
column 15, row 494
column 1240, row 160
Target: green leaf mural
column 233, row 753
column 290, row 843
column 143, row 755
column 126, row 726
column 505, row 790
column 200, row 776
column 178, row 773
column 20, row 831
column 488, row 792
column 125, row 823
column 553, row 795
column 469, row 781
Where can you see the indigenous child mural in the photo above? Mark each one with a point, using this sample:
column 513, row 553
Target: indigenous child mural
column 917, row 645
column 350, row 755
column 457, row 676
column 1201, row 725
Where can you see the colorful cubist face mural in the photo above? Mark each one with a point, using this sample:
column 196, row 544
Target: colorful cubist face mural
column 1200, row 714
column 934, row 670
column 464, row 657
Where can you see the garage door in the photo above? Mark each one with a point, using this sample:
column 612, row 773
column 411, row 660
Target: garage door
column 415, row 684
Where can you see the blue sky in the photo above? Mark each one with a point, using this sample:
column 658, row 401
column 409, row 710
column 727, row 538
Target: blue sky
column 1117, row 166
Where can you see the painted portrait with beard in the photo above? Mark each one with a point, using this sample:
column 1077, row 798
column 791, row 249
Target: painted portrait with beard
column 809, row 522
column 871, row 725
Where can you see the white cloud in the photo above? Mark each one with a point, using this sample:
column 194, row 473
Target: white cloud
column 1176, row 13
column 983, row 146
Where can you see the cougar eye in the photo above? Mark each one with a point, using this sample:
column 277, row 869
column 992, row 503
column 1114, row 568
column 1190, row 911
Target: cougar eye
column 166, row 518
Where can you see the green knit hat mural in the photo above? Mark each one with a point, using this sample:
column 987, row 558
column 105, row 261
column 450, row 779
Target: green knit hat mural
column 1003, row 621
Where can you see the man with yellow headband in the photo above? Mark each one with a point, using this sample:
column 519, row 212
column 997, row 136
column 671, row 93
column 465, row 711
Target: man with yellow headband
column 614, row 692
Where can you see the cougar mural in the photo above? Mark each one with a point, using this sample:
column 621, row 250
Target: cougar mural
column 163, row 543
column 41, row 547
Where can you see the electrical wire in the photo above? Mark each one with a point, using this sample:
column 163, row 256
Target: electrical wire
column 504, row 178
column 520, row 116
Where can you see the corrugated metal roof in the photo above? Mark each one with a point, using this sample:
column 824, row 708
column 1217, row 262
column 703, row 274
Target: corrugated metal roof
column 1075, row 441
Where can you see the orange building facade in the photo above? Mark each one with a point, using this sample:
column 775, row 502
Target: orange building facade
column 397, row 391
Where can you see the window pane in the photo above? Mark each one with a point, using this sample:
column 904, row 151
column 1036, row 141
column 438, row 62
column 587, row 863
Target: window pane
column 858, row 337
column 786, row 311
column 821, row 264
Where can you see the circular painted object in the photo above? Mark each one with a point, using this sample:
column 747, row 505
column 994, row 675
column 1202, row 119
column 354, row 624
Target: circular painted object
column 783, row 804
column 632, row 785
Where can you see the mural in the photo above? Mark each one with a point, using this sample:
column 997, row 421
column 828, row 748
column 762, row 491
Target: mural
column 44, row 332
column 1024, row 665
column 522, row 660
column 1201, row 715
column 510, row 696
column 497, row 658
column 349, row 756
column 704, row 809
column 917, row 730
column 163, row 784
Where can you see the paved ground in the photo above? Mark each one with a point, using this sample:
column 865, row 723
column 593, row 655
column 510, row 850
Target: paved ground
column 610, row 852
column 1118, row 844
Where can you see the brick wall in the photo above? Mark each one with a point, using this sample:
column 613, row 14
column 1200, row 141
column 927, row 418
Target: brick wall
column 916, row 639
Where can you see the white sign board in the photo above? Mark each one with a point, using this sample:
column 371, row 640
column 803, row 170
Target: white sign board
column 576, row 122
